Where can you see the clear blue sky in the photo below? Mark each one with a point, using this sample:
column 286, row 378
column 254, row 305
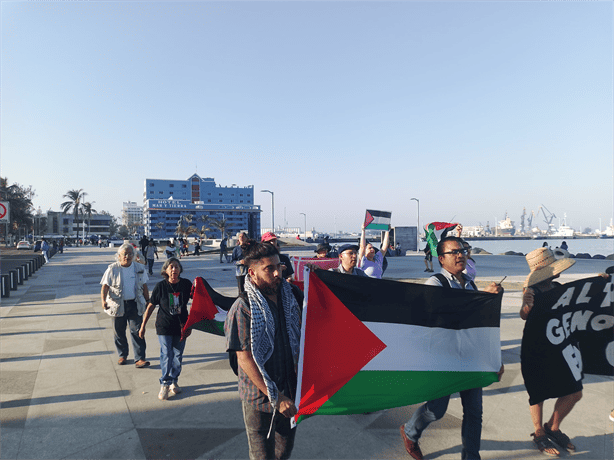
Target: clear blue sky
column 474, row 108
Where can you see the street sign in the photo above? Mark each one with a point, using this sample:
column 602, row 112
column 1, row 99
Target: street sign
column 4, row 212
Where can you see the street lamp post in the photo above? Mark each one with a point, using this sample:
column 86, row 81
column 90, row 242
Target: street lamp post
column 272, row 209
column 305, row 216
column 418, row 227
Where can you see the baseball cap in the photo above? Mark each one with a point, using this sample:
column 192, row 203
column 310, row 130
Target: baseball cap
column 346, row 247
column 268, row 236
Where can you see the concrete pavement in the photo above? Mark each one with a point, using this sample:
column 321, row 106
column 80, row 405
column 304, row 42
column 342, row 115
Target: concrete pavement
column 64, row 396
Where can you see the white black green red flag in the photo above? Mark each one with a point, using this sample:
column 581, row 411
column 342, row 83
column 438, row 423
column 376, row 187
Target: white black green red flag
column 209, row 308
column 369, row 344
column 569, row 332
column 377, row 220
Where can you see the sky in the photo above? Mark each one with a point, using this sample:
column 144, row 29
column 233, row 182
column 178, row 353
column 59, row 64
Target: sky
column 477, row 109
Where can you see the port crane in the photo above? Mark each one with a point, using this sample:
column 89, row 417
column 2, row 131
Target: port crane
column 547, row 217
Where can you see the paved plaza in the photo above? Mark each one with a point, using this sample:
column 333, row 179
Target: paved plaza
column 63, row 395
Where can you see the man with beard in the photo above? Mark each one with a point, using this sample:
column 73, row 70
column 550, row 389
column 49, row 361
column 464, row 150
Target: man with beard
column 263, row 328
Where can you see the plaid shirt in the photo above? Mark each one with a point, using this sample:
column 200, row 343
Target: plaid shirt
column 280, row 365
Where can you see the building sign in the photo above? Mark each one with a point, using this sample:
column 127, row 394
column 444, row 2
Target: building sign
column 168, row 204
column 5, row 212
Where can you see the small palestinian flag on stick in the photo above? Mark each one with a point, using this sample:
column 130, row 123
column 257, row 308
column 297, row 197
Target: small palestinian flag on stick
column 377, row 220
column 208, row 310
column 436, row 231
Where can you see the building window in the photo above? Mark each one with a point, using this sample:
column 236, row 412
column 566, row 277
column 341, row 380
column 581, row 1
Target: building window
column 184, row 186
column 151, row 192
column 160, row 193
column 151, row 184
column 208, row 201
column 171, row 185
column 170, row 193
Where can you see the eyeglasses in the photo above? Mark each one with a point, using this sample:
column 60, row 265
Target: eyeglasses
column 456, row 252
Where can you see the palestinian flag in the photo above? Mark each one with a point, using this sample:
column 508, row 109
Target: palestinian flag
column 377, row 220
column 369, row 344
column 435, row 232
column 208, row 310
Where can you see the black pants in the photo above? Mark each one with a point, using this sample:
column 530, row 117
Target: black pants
column 257, row 424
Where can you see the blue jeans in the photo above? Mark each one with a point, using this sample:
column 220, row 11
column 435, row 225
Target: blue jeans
column 171, row 355
column 471, row 429
column 132, row 319
column 257, row 424
column 150, row 263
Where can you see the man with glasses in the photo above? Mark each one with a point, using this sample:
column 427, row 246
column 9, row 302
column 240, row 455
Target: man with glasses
column 348, row 258
column 453, row 259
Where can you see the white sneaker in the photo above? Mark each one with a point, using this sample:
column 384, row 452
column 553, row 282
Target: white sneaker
column 163, row 393
column 175, row 389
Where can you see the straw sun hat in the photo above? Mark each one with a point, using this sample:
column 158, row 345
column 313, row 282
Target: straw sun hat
column 544, row 265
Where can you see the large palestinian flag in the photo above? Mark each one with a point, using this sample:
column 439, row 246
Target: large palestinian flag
column 209, row 308
column 436, row 231
column 370, row 344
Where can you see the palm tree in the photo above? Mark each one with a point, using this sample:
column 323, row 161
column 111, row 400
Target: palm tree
column 74, row 203
column 206, row 220
column 180, row 229
column 160, row 225
column 87, row 210
column 220, row 224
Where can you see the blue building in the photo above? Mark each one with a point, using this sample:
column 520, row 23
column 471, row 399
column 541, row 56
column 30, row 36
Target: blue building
column 168, row 201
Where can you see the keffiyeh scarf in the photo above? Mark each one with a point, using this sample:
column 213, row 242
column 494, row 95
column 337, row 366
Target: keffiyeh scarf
column 263, row 330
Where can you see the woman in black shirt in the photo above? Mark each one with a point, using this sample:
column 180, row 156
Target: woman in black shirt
column 172, row 296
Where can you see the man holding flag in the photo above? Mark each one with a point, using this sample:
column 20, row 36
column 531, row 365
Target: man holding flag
column 263, row 327
column 453, row 259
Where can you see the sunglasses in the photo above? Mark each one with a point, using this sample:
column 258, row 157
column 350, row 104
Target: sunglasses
column 456, row 252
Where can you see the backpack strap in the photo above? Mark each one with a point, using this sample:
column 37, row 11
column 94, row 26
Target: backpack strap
column 446, row 283
column 443, row 280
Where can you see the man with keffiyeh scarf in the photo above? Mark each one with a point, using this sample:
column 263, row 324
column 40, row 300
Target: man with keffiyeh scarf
column 263, row 327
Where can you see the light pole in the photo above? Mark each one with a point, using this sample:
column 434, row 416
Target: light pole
column 305, row 216
column 418, row 227
column 272, row 209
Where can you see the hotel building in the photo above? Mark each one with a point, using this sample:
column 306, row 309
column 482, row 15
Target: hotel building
column 167, row 201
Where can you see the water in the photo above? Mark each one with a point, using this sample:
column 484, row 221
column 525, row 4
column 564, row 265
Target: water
column 593, row 246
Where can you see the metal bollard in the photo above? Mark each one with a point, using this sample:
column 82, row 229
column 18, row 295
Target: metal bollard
column 26, row 271
column 6, row 291
column 12, row 280
column 19, row 275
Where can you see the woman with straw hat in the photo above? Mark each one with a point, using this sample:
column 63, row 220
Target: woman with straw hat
column 544, row 269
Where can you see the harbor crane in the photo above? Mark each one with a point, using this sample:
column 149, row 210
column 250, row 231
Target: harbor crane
column 547, row 218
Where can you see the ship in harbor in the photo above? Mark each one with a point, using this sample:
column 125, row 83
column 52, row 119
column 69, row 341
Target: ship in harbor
column 564, row 231
column 506, row 227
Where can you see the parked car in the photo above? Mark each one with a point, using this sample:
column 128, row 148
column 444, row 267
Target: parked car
column 23, row 245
